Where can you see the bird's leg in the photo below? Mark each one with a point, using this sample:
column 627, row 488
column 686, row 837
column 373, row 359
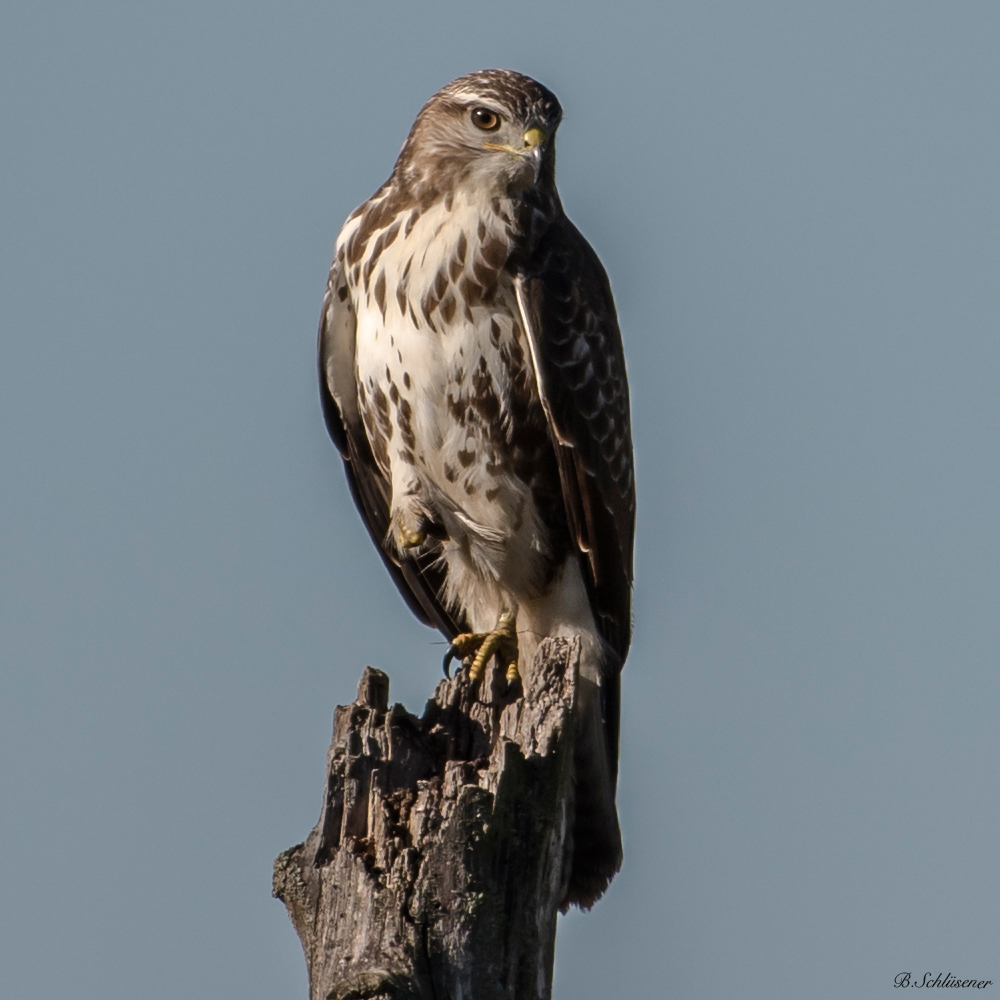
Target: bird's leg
column 502, row 642
column 411, row 523
column 407, row 538
column 407, row 527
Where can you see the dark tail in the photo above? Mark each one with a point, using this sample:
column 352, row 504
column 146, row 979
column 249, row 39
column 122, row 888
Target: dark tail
column 597, row 840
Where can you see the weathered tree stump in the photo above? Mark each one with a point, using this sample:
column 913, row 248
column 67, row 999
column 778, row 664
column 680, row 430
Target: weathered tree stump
column 442, row 852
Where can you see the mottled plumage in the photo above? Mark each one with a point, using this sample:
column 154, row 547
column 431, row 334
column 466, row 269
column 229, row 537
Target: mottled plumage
column 472, row 377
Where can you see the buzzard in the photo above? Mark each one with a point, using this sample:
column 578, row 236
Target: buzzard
column 472, row 378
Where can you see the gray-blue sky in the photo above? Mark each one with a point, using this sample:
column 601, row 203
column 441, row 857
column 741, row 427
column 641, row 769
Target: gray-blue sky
column 799, row 209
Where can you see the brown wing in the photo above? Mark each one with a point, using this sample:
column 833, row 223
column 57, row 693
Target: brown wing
column 420, row 580
column 569, row 312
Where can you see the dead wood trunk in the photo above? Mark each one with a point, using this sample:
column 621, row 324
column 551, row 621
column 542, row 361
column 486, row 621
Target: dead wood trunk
column 442, row 851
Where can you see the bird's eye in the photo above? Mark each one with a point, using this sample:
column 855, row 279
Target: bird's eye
column 488, row 121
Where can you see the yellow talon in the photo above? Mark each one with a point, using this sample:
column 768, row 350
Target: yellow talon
column 486, row 650
column 502, row 641
column 410, row 539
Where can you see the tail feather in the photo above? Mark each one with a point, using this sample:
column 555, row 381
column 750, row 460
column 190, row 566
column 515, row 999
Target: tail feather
column 597, row 842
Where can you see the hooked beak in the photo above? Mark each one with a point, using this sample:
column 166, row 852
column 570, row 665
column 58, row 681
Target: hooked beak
column 531, row 150
column 533, row 140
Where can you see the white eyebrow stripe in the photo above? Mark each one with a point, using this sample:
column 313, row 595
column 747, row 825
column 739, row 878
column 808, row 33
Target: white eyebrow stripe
column 471, row 95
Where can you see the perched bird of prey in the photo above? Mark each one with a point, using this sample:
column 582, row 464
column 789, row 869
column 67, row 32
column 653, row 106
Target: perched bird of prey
column 473, row 380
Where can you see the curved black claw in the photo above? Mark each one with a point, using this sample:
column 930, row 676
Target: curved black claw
column 448, row 657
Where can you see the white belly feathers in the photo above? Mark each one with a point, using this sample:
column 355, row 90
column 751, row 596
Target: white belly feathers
column 442, row 360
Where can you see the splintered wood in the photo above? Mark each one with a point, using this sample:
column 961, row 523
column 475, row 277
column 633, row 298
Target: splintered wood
column 442, row 852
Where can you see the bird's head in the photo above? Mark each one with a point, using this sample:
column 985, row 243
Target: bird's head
column 493, row 130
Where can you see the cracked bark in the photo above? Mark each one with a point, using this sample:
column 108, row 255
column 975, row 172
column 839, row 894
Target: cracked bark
column 442, row 852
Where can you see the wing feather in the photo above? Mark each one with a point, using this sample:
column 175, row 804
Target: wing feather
column 576, row 347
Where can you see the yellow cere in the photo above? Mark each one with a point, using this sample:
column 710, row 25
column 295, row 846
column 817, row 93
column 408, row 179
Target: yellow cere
column 534, row 137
